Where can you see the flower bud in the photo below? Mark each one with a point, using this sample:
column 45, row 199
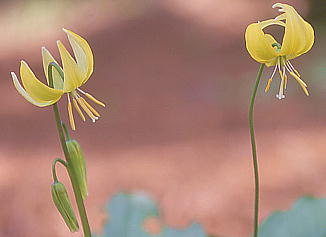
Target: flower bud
column 62, row 202
column 77, row 163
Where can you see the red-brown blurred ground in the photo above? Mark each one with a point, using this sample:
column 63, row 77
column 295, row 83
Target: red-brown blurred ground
column 176, row 127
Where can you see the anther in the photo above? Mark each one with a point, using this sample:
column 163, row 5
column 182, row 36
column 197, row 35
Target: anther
column 80, row 112
column 292, row 67
column 285, row 81
column 92, row 98
column 71, row 115
column 90, row 107
column 301, row 83
column 268, row 84
column 270, row 79
column 85, row 108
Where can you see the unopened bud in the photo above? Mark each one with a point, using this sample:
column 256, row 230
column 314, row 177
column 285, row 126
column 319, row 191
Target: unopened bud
column 62, row 202
column 77, row 163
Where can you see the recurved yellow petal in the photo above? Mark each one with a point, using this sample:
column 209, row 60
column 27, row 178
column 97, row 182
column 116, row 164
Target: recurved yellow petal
column 259, row 44
column 72, row 73
column 47, row 59
column 21, row 91
column 299, row 34
column 82, row 52
column 36, row 89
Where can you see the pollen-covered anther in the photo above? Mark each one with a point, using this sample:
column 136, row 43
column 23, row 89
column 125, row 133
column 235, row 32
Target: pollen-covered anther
column 270, row 79
column 80, row 101
column 81, row 104
column 92, row 98
column 90, row 107
column 293, row 72
column 285, row 81
column 80, row 112
column 268, row 84
column 70, row 114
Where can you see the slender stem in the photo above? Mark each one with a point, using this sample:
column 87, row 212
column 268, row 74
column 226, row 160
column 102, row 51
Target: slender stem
column 72, row 175
column 54, row 173
column 68, row 137
column 253, row 147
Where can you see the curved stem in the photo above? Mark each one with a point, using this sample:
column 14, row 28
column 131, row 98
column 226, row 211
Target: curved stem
column 253, row 147
column 54, row 173
column 72, row 175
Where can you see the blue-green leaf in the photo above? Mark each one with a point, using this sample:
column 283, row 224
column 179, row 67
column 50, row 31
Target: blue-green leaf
column 307, row 218
column 127, row 213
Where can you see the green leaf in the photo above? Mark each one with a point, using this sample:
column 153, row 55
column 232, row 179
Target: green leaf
column 307, row 218
column 128, row 212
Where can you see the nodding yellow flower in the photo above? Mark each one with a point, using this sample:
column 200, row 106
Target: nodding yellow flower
column 76, row 72
column 297, row 40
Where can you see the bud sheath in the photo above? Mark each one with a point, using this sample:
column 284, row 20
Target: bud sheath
column 62, row 202
column 77, row 163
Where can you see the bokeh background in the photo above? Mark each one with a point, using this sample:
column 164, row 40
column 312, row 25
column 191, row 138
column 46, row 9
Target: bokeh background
column 177, row 80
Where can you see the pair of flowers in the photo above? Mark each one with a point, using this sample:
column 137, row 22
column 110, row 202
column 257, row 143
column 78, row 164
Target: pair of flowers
column 75, row 73
column 298, row 39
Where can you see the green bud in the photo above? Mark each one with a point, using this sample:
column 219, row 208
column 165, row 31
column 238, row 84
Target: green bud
column 62, row 202
column 77, row 163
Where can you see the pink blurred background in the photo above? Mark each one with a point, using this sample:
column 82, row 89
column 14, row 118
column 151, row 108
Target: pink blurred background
column 177, row 79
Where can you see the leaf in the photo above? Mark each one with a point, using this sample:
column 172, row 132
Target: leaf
column 128, row 213
column 306, row 218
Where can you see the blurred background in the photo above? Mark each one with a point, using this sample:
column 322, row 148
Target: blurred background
column 177, row 80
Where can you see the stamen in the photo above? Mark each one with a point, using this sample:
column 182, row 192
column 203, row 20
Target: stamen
column 80, row 112
column 92, row 98
column 71, row 115
column 288, row 68
column 285, row 81
column 89, row 96
column 291, row 66
column 301, row 83
column 268, row 84
column 298, row 79
column 90, row 107
column 270, row 79
column 88, row 112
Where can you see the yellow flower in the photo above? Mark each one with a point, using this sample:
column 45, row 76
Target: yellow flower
column 76, row 73
column 297, row 40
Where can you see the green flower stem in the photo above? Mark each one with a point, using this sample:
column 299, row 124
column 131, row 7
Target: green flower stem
column 72, row 175
column 54, row 173
column 253, row 147
column 68, row 137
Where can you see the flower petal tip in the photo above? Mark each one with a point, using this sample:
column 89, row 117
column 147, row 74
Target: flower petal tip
column 280, row 5
column 23, row 62
column 276, row 5
column 13, row 75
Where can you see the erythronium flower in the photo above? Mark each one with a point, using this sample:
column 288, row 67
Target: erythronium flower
column 297, row 40
column 76, row 73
